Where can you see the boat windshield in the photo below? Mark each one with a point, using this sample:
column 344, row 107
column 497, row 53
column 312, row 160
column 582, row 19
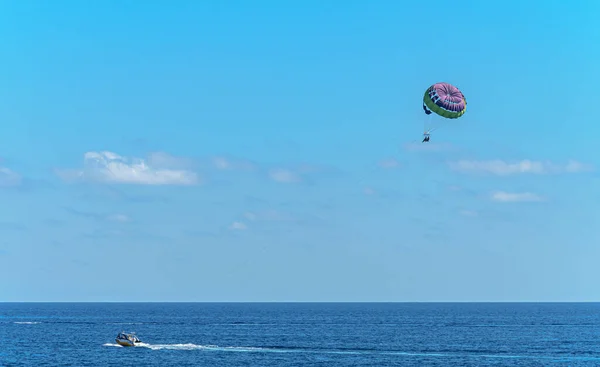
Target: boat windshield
column 130, row 337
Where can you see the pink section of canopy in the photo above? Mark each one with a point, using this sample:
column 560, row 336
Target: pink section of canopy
column 450, row 97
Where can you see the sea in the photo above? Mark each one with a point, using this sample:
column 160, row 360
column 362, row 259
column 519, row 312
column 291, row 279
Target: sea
column 301, row 334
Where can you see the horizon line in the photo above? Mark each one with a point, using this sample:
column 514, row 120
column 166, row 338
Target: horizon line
column 315, row 302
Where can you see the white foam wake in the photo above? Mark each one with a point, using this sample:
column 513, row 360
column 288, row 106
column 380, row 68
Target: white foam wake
column 111, row 345
column 188, row 346
column 27, row 322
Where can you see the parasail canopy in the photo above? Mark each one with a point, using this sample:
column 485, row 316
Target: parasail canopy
column 445, row 100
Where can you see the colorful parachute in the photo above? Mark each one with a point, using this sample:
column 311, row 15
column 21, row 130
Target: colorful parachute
column 445, row 100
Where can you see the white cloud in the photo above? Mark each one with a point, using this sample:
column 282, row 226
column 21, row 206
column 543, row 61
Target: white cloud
column 238, row 226
column 9, row 178
column 110, row 167
column 503, row 168
column 507, row 197
column 121, row 218
column 284, row 175
column 574, row 166
column 221, row 163
column 389, row 163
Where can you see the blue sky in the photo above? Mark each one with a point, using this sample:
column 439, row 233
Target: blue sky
column 270, row 151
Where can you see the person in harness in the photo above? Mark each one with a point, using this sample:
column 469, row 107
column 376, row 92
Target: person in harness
column 426, row 133
column 426, row 136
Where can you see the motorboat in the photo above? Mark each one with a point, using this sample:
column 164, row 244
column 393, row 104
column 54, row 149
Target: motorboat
column 127, row 339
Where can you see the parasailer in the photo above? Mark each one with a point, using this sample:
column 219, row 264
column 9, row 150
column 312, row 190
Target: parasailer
column 425, row 136
column 446, row 101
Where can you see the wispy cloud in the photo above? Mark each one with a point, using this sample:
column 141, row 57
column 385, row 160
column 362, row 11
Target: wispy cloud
column 284, row 175
column 109, row 167
column 508, row 197
column 9, row 178
column 160, row 168
column 503, row 168
column 238, row 226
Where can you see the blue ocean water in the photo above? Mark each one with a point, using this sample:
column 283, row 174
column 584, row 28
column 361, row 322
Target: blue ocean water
column 301, row 334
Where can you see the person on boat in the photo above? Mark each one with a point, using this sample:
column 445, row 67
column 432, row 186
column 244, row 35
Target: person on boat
column 425, row 138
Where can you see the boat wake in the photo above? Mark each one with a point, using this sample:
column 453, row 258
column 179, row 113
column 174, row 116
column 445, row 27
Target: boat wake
column 275, row 349
column 188, row 346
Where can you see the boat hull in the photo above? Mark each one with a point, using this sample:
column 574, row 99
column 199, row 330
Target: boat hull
column 125, row 343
